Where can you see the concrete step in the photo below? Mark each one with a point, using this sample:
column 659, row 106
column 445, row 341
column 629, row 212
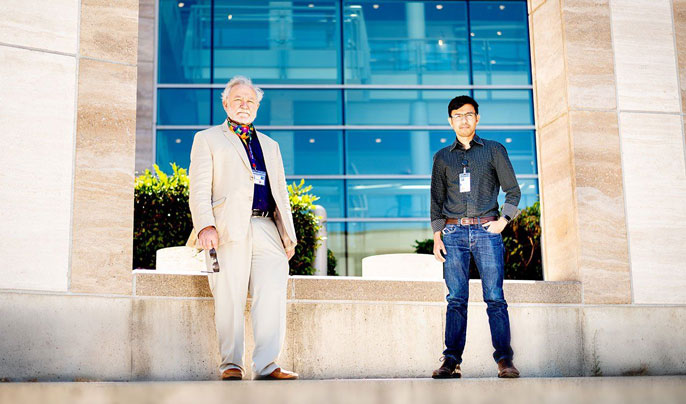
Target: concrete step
column 606, row 390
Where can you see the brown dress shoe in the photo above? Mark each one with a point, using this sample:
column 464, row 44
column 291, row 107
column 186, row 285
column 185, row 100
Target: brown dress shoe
column 506, row 369
column 279, row 374
column 448, row 370
column 232, row 374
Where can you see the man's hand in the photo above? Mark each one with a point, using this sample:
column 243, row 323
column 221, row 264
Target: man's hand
column 208, row 238
column 290, row 253
column 496, row 226
column 439, row 247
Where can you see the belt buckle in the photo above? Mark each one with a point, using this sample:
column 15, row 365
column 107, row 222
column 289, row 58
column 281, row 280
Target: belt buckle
column 462, row 223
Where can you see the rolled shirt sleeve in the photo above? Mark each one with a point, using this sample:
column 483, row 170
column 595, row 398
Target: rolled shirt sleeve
column 508, row 182
column 438, row 193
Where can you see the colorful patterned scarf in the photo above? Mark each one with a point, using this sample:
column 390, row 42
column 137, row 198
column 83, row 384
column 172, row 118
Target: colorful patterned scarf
column 243, row 131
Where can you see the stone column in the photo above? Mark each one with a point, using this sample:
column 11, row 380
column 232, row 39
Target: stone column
column 582, row 192
column 611, row 146
column 68, row 85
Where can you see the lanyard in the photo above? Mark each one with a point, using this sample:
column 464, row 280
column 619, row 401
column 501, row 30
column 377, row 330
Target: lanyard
column 252, row 157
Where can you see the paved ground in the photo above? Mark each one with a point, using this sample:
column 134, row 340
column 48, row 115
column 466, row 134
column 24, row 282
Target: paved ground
column 606, row 390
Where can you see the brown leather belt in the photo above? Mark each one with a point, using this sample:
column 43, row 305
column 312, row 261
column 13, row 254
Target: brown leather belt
column 471, row 220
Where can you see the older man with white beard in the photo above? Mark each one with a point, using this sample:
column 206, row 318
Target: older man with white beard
column 240, row 207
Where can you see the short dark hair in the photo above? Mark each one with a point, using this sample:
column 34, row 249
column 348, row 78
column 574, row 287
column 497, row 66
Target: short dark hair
column 459, row 101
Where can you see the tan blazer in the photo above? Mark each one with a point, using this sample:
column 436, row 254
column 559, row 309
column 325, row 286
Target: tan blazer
column 221, row 186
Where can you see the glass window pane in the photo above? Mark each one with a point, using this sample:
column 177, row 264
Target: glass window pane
column 336, row 243
column 521, row 148
column 174, row 146
column 277, row 41
column 366, row 239
column 529, row 187
column 405, row 42
column 184, row 41
column 505, row 107
column 398, row 107
column 500, row 42
column 310, row 152
column 389, row 198
column 291, row 107
column 394, row 152
column 183, row 106
column 330, row 193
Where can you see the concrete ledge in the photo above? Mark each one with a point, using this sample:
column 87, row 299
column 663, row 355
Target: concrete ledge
column 153, row 283
column 663, row 390
column 76, row 337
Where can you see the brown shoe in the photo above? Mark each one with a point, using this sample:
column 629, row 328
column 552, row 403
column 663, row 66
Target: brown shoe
column 507, row 370
column 279, row 374
column 449, row 369
column 232, row 374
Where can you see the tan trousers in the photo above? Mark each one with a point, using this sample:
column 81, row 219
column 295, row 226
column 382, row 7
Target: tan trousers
column 259, row 263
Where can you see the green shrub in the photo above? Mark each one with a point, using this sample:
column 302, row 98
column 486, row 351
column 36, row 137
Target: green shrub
column 522, row 240
column 162, row 218
column 306, row 228
column 161, row 215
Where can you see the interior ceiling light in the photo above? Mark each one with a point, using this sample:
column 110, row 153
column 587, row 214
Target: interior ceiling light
column 376, row 6
column 439, row 6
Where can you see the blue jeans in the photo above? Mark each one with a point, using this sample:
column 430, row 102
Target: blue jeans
column 488, row 251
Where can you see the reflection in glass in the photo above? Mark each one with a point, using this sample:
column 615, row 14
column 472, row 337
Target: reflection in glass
column 174, row 146
column 399, row 107
column 521, row 148
column 529, row 188
column 330, row 193
column 277, row 41
column 291, row 107
column 505, row 107
column 500, row 42
column 183, row 106
column 311, row 152
column 405, row 42
column 336, row 243
column 365, row 239
column 388, row 198
column 184, row 41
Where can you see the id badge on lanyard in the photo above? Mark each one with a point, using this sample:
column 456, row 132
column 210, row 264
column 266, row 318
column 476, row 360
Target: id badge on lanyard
column 259, row 177
column 465, row 183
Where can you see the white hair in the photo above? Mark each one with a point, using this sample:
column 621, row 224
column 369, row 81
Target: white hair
column 241, row 80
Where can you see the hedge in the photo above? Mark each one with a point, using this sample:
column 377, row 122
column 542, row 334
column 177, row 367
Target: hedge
column 162, row 219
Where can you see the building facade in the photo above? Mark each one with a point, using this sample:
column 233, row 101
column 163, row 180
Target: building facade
column 356, row 94
column 609, row 102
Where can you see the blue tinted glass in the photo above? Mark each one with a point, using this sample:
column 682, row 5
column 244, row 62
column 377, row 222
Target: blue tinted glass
column 529, row 187
column 405, row 42
column 277, row 41
column 500, row 42
column 183, row 106
column 521, row 148
column 291, row 107
column 366, row 239
column 336, row 243
column 505, row 107
column 330, row 193
column 398, row 107
column 310, row 152
column 393, row 152
column 184, row 41
column 388, row 198
column 174, row 146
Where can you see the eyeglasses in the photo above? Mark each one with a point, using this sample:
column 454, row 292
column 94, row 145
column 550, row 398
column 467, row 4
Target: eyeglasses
column 469, row 116
column 215, row 263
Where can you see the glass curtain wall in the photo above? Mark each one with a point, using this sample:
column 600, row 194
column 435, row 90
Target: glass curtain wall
column 356, row 94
